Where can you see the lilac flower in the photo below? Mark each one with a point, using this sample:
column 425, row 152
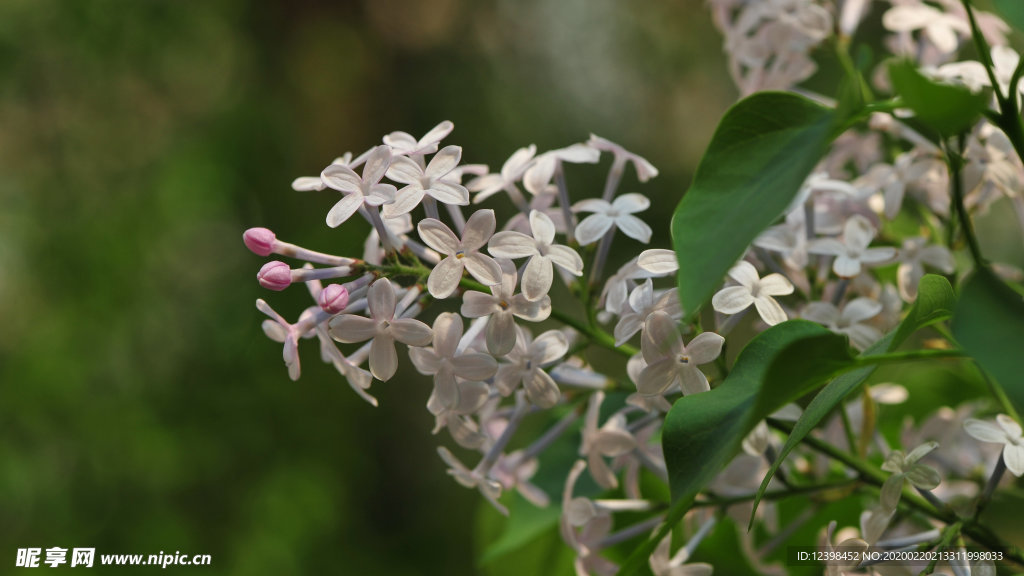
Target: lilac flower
column 848, row 320
column 642, row 303
column 279, row 330
column 670, row 362
column 1005, row 432
column 644, row 169
column 617, row 214
column 359, row 190
column 382, row 328
column 445, row 364
column 612, row 439
column 405, row 144
column 541, row 170
column 501, row 306
column 525, row 365
column 852, row 252
column 916, row 252
column 461, row 254
column 540, row 250
column 434, row 181
column 754, row 290
column 489, row 488
column 586, row 542
column 511, row 172
column 905, row 467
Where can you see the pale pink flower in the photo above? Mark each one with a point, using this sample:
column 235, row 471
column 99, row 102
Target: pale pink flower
column 610, row 440
column 382, row 328
column 540, row 250
column 849, row 320
column 617, row 214
column 445, row 364
column 433, row 181
column 525, row 365
column 753, row 290
column 511, row 172
column 852, row 252
column 501, row 307
column 1005, row 432
column 905, row 467
column 359, row 190
column 670, row 362
column 405, row 144
column 459, row 254
column 916, row 252
column 644, row 169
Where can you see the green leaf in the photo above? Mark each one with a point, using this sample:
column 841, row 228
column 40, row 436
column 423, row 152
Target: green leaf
column 935, row 300
column 947, row 109
column 760, row 155
column 703, row 432
column 989, row 324
column 1012, row 11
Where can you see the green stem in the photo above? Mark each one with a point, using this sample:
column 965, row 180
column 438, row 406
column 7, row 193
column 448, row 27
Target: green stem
column 874, row 476
column 955, row 165
column 722, row 502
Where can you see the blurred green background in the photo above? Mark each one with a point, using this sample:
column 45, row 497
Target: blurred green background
column 143, row 410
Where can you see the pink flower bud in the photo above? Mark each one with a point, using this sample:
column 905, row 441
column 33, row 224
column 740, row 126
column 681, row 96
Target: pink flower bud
column 259, row 240
column 275, row 276
column 333, row 298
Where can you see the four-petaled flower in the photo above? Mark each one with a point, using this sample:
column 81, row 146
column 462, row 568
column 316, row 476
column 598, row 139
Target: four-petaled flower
column 542, row 253
column 753, row 290
column 670, row 362
column 1005, row 432
column 501, row 305
column 383, row 328
column 852, row 253
column 435, row 181
column 848, row 319
column 611, row 440
column 357, row 189
column 445, row 363
column 405, row 144
column 916, row 252
column 526, row 363
column 906, row 467
column 490, row 184
column 618, row 213
column 461, row 254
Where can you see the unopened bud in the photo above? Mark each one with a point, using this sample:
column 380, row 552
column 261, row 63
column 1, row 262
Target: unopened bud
column 275, row 276
column 259, row 240
column 333, row 298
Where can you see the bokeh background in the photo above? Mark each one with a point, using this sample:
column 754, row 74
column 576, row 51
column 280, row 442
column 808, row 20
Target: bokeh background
column 141, row 407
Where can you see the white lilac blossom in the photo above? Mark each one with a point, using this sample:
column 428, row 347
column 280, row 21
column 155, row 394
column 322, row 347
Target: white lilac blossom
column 459, row 254
column 848, row 319
column 753, row 290
column 382, row 328
column 542, row 169
column 541, row 251
column 616, row 214
column 670, row 362
column 852, row 253
column 1006, row 432
column 446, row 365
column 907, row 468
column 788, row 239
column 585, row 542
column 642, row 302
column 942, row 29
column 511, row 172
column 913, row 256
column 359, row 190
column 405, row 144
column 501, row 307
column 279, row 330
column 316, row 183
column 610, row 440
column 433, row 181
column 525, row 365
column 893, row 180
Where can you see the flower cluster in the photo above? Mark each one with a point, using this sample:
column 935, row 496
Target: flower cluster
column 839, row 256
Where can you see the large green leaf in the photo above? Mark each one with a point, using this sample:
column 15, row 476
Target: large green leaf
column 703, row 432
column 762, row 152
column 989, row 324
column 935, row 300
column 947, row 109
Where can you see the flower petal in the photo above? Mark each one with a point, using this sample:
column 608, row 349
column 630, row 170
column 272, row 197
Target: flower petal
column 658, row 261
column 501, row 333
column 634, row 227
column 383, row 357
column 537, row 278
column 483, row 268
column 704, row 348
column 405, row 170
column 350, row 328
column 548, row 347
column 892, row 489
column 770, row 310
column 478, row 230
column 474, row 366
column 411, row 331
column 444, row 278
column 985, row 431
column 342, row 178
column 846, row 267
column 425, row 360
column 593, row 228
column 541, row 226
column 444, row 161
column 449, row 193
column 775, row 285
column 821, row 312
column 693, row 381
column 438, row 236
column 380, row 299
column 1013, row 457
column 377, row 164
column 532, row 311
column 1010, row 426
column 657, row 377
column 477, row 304
column 511, row 244
column 631, row 203
column 744, row 273
column 566, row 258
column 406, row 200
column 661, row 338
column 732, row 300
column 447, row 333
column 343, row 209
column 541, row 389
